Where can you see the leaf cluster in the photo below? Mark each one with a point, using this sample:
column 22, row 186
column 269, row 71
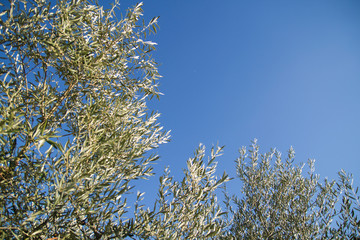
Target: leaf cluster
column 75, row 127
column 278, row 202
column 187, row 209
column 76, row 133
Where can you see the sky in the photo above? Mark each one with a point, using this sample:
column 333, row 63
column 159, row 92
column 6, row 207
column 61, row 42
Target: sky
column 284, row 72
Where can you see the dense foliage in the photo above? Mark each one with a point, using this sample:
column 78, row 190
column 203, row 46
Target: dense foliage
column 76, row 132
column 74, row 122
column 279, row 202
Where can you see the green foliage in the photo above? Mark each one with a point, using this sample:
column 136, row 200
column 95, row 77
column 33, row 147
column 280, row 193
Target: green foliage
column 75, row 128
column 279, row 202
column 348, row 224
column 188, row 209
column 75, row 132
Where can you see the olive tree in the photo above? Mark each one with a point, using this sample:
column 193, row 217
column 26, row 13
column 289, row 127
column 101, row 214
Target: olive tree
column 75, row 130
column 279, row 201
column 187, row 209
column 76, row 134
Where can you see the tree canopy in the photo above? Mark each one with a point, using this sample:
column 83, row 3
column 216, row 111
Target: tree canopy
column 279, row 201
column 76, row 133
column 75, row 124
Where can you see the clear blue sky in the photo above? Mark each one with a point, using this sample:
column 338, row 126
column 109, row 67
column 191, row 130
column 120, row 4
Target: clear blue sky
column 284, row 72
